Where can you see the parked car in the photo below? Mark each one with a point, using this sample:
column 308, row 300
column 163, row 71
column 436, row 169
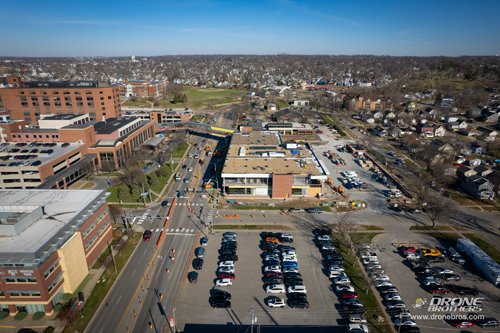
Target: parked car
column 227, row 263
column 197, row 263
column 348, row 295
column 455, row 256
column 437, row 289
column 297, row 289
column 357, row 319
column 274, row 268
column 221, row 275
column 295, row 210
column 314, row 211
column 199, row 252
column 460, row 323
column 226, row 269
column 392, row 297
column 272, row 280
column 275, row 288
column 229, row 234
column 395, row 304
column 218, row 293
column 344, row 288
column 387, row 290
column 450, row 277
column 298, row 303
column 192, row 277
column 487, row 322
column 204, row 241
column 216, row 302
column 378, row 284
column 223, row 282
column 462, row 291
column 275, row 302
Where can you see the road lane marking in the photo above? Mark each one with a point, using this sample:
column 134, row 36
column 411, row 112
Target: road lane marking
column 119, row 298
column 133, row 273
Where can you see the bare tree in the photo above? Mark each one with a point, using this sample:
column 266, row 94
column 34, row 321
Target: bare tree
column 116, row 211
column 436, row 207
column 132, row 176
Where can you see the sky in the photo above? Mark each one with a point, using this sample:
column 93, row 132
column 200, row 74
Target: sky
column 162, row 27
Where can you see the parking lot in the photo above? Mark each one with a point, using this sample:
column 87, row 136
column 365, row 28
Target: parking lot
column 402, row 277
column 247, row 291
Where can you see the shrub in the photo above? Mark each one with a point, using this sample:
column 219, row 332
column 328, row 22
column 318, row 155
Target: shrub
column 20, row 315
column 38, row 315
column 48, row 329
column 58, row 307
column 4, row 314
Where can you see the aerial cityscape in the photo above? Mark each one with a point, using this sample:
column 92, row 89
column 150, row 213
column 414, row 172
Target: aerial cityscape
column 267, row 166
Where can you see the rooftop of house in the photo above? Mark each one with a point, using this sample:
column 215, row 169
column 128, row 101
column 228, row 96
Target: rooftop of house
column 256, row 138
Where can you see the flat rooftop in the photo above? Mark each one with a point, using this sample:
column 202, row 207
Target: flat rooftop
column 256, row 138
column 17, row 154
column 112, row 124
column 241, row 165
column 62, row 209
column 65, row 84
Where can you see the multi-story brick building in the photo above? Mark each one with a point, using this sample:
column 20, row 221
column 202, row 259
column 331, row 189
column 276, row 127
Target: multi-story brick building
column 29, row 165
column 159, row 116
column 109, row 142
column 49, row 239
column 258, row 165
column 144, row 88
column 29, row 100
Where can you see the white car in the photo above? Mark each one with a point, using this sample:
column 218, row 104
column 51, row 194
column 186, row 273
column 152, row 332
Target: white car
column 272, row 257
column 297, row 289
column 334, row 274
column 196, row 156
column 381, row 277
column 431, row 280
column 373, row 265
column 336, row 268
column 226, row 269
column 344, row 288
column 275, row 289
column 289, row 258
column 289, row 253
column 341, row 279
column 290, row 270
column 358, row 328
column 223, row 282
column 383, row 284
column 412, row 256
column 327, row 247
column 405, row 320
column 357, row 319
column 276, row 302
column 274, row 268
column 392, row 297
column 228, row 263
column 370, row 260
column 324, row 238
column 190, row 169
column 190, row 155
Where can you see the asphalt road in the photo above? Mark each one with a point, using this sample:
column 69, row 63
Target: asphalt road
column 133, row 302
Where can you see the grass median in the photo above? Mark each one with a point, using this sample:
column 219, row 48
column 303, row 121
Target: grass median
column 360, row 281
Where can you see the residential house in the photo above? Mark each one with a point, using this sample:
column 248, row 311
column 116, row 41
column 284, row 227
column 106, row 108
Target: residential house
column 479, row 150
column 477, row 186
column 430, row 130
column 487, row 134
column 468, row 132
column 464, row 171
column 457, row 125
column 489, row 116
column 482, row 170
column 377, row 115
column 379, row 131
column 494, row 178
column 450, row 118
column 390, row 115
column 439, row 131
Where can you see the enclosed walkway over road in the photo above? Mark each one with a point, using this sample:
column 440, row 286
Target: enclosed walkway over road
column 195, row 127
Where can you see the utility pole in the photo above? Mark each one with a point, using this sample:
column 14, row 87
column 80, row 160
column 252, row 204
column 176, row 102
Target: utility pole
column 253, row 319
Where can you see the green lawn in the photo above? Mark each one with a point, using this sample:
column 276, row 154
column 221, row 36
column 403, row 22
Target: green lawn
column 134, row 195
column 198, row 117
column 181, row 150
column 103, row 286
column 196, row 98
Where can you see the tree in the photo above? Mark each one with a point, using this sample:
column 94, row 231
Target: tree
column 162, row 172
column 116, row 211
column 132, row 177
column 436, row 207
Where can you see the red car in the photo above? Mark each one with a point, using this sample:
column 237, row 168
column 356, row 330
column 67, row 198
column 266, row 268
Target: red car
column 348, row 295
column 459, row 323
column 273, row 274
column 407, row 249
column 438, row 290
column 147, row 235
column 226, row 276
